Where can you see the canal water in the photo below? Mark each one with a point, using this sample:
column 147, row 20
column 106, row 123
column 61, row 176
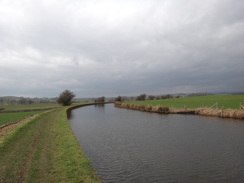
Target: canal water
column 132, row 146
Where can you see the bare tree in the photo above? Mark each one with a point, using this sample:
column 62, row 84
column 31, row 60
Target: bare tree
column 100, row 99
column 151, row 97
column 141, row 97
column 119, row 99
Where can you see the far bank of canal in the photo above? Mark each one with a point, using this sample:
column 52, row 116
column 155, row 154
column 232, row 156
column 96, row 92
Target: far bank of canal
column 132, row 146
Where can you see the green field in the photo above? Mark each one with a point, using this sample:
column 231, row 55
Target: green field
column 11, row 117
column 44, row 150
column 30, row 106
column 225, row 101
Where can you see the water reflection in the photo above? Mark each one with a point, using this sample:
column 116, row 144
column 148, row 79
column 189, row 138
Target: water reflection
column 69, row 114
column 99, row 105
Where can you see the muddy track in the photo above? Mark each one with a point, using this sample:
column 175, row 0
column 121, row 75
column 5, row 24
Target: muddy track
column 18, row 121
column 10, row 127
column 28, row 159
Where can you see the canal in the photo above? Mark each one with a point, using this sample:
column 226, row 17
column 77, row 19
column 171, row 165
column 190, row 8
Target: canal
column 132, row 146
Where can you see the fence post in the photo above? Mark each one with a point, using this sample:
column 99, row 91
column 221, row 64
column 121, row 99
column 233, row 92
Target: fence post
column 241, row 106
column 215, row 104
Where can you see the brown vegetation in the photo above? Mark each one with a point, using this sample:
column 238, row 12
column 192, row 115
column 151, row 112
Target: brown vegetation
column 224, row 113
column 146, row 108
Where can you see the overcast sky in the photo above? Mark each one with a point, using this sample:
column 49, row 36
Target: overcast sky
column 128, row 47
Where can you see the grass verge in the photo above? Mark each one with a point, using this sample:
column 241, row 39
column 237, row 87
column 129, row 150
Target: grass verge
column 45, row 150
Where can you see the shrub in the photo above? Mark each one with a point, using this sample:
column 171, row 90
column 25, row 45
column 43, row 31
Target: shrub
column 65, row 97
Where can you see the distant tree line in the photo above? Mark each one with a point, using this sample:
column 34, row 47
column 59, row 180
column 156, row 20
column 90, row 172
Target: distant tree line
column 100, row 99
column 25, row 100
column 120, row 99
column 143, row 97
column 198, row 94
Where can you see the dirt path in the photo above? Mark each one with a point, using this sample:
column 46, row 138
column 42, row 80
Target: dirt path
column 29, row 156
column 8, row 129
column 44, row 150
column 16, row 165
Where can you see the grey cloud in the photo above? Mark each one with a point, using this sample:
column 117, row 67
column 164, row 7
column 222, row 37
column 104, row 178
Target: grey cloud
column 121, row 48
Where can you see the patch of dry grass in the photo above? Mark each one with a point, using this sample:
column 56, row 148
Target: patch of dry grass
column 224, row 113
column 146, row 108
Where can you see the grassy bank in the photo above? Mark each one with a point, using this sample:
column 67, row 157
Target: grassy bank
column 224, row 101
column 225, row 106
column 44, row 150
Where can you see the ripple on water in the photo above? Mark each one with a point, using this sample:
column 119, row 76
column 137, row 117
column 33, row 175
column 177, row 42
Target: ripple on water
column 131, row 146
